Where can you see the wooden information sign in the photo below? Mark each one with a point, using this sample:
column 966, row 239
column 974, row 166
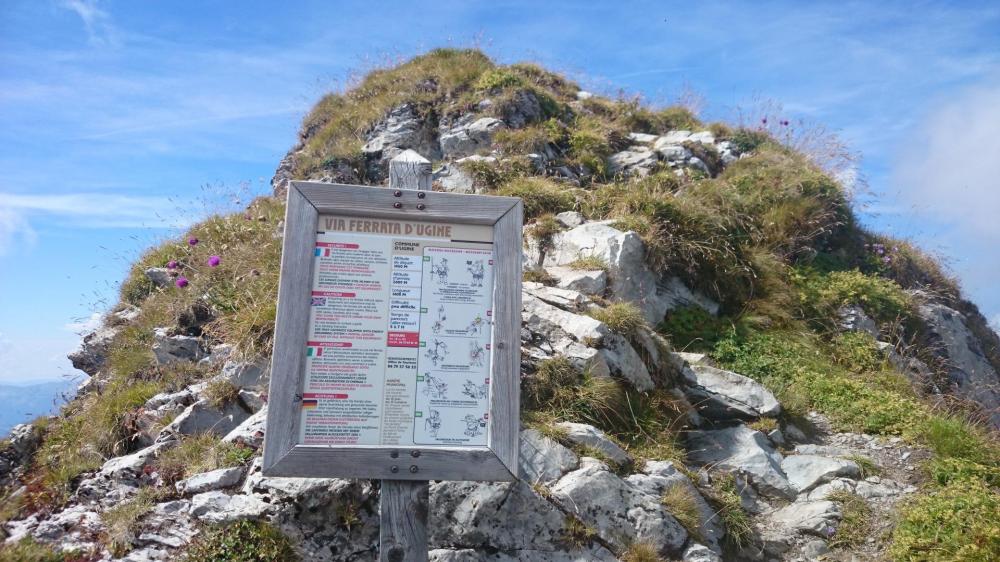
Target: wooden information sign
column 397, row 341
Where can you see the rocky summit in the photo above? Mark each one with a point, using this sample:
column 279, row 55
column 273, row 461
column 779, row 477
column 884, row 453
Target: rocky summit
column 718, row 363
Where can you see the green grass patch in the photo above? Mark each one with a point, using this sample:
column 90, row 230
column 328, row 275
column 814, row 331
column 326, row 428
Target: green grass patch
column 641, row 552
column 588, row 263
column 243, row 541
column 647, row 424
column 952, row 523
column 680, row 501
column 221, row 393
column 576, row 533
column 856, row 524
column 200, row 453
column 623, row 318
column 540, row 196
column 30, row 550
column 724, row 496
column 692, row 328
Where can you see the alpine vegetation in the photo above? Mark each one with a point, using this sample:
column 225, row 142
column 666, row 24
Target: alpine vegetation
column 718, row 361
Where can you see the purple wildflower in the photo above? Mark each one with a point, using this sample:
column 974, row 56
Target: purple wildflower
column 214, row 261
column 764, row 121
column 192, row 241
column 172, row 264
column 886, row 259
column 181, row 282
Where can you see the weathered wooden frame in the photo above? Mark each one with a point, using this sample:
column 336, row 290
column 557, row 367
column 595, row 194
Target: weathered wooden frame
column 283, row 456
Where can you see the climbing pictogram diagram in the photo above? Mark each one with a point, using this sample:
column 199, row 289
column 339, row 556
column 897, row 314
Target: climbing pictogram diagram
column 439, row 323
column 476, row 354
column 436, row 388
column 475, row 391
column 437, row 352
column 473, row 425
column 476, row 326
column 433, row 423
column 439, row 270
column 478, row 272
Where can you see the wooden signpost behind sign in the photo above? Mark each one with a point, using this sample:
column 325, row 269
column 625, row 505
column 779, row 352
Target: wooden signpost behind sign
column 397, row 342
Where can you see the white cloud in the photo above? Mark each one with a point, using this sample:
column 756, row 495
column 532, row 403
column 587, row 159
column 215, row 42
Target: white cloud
column 14, row 228
column 949, row 168
column 96, row 21
column 95, row 210
column 84, row 325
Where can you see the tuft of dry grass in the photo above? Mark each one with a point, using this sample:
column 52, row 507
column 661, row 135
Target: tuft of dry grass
column 680, row 501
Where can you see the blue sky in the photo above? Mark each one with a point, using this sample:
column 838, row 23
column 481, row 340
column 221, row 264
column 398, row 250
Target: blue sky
column 122, row 119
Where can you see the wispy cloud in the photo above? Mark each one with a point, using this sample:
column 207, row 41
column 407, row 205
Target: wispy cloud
column 84, row 325
column 96, row 21
column 949, row 169
column 84, row 210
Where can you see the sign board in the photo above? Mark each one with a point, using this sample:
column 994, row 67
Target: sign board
column 397, row 342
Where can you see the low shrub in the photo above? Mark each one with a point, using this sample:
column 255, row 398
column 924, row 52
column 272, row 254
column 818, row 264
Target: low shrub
column 956, row 522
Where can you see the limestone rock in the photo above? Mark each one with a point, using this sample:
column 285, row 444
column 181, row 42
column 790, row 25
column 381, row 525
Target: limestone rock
column 659, row 476
column 590, row 436
column 250, row 432
column 159, row 276
column 623, row 361
column 504, row 516
column 467, row 137
column 202, row 417
column 171, row 349
column 566, row 299
column 618, row 511
column 724, row 395
column 637, row 160
column 570, row 219
column 401, row 129
column 130, row 466
column 811, row 517
column 212, row 480
column 805, row 472
column 969, row 371
column 553, row 323
column 253, row 374
column 589, row 282
column 593, row 553
column 219, row 507
column 90, row 356
column 742, row 450
column 586, row 359
column 852, row 318
column 631, row 279
column 521, row 109
column 543, row 460
column 700, row 553
column 642, row 138
column 452, row 178
column 167, row 527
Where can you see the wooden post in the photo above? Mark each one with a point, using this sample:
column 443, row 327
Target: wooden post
column 403, row 504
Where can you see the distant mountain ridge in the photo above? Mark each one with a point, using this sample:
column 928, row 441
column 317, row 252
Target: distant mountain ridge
column 25, row 403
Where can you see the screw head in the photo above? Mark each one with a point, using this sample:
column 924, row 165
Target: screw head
column 394, row 454
column 414, row 469
column 421, row 195
column 421, row 206
column 394, row 469
column 414, row 453
column 397, row 193
column 397, row 205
